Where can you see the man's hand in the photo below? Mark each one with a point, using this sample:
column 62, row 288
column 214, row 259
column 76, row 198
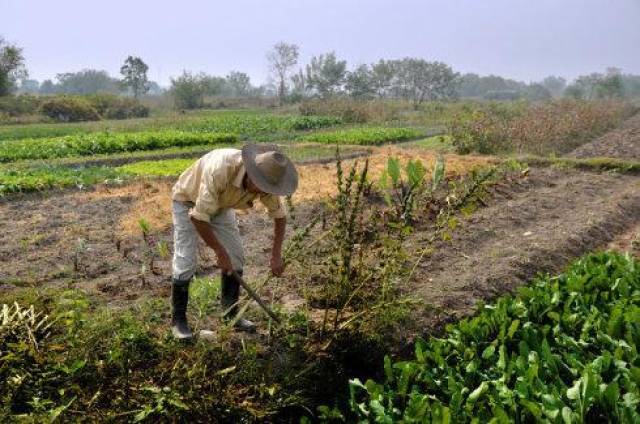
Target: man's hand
column 277, row 265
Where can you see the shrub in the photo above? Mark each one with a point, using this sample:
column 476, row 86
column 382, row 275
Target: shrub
column 349, row 110
column 541, row 128
column 69, row 109
column 312, row 122
column 24, row 104
column 110, row 106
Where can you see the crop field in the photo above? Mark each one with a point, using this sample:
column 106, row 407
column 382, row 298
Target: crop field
column 450, row 263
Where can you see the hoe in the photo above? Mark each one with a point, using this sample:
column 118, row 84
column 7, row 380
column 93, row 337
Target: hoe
column 255, row 297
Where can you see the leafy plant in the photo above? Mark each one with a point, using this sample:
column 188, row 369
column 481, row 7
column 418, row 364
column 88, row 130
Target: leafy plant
column 400, row 192
column 99, row 143
column 563, row 350
column 346, row 232
column 23, row 337
column 364, row 136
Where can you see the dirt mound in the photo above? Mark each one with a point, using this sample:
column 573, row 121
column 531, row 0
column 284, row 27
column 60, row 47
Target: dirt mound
column 540, row 225
column 621, row 143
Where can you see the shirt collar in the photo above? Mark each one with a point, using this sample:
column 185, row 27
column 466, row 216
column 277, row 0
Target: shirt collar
column 237, row 181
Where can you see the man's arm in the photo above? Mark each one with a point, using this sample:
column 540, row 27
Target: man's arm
column 277, row 265
column 205, row 231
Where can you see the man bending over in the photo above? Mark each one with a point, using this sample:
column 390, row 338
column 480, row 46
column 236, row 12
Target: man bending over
column 204, row 199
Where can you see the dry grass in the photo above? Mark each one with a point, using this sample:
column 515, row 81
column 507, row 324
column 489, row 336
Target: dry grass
column 540, row 128
column 317, row 182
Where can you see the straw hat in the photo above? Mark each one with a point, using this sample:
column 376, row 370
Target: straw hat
column 270, row 170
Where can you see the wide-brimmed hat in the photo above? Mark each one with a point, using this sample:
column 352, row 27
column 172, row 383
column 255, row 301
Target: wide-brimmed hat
column 269, row 169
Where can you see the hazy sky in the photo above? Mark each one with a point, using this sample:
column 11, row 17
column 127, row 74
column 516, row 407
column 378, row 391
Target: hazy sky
column 522, row 39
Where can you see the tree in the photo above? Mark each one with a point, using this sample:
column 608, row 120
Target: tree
column 30, row 86
column 188, row 90
column 360, row 83
column 382, row 74
column 299, row 83
column 134, row 75
column 48, row 87
column 610, row 85
column 212, row 85
column 598, row 86
column 11, row 67
column 326, row 74
column 155, row 89
column 537, row 92
column 418, row 80
column 490, row 86
column 575, row 91
column 282, row 59
column 87, row 81
column 555, row 85
column 238, row 83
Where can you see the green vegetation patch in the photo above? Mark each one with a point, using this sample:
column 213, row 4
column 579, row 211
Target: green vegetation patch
column 262, row 127
column 365, row 136
column 101, row 143
column 51, row 177
column 64, row 356
column 37, row 175
column 158, row 168
column 440, row 143
column 564, row 350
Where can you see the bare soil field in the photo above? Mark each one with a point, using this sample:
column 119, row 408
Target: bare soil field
column 538, row 225
column 621, row 143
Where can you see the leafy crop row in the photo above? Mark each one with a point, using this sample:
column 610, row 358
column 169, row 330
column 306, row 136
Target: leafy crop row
column 101, row 143
column 38, row 175
column 251, row 125
column 565, row 350
column 364, row 136
column 49, row 177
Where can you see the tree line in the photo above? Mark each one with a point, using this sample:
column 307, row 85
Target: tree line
column 413, row 79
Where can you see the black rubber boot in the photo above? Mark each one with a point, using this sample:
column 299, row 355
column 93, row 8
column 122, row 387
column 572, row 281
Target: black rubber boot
column 179, row 300
column 230, row 293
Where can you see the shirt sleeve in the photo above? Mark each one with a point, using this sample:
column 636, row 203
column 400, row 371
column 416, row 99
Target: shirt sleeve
column 274, row 205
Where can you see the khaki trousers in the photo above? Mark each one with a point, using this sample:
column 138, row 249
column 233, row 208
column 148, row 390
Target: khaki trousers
column 186, row 239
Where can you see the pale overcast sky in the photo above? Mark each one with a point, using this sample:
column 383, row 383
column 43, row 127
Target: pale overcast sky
column 522, row 39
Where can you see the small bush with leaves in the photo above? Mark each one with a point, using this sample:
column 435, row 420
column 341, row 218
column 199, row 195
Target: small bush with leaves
column 110, row 106
column 69, row 109
column 400, row 193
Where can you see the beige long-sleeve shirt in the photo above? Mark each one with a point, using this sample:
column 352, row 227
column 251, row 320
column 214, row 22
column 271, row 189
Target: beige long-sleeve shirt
column 214, row 182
